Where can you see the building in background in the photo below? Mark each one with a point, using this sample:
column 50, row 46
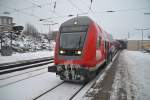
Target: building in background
column 54, row 34
column 6, row 24
column 135, row 45
column 6, row 27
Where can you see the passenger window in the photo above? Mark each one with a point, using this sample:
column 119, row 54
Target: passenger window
column 106, row 43
column 98, row 42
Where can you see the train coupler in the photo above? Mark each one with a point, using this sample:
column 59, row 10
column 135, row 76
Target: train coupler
column 71, row 72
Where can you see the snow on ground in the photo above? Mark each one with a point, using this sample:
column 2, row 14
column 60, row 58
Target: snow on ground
column 132, row 78
column 139, row 69
column 131, row 82
column 120, row 85
column 14, row 77
column 30, row 88
column 25, row 56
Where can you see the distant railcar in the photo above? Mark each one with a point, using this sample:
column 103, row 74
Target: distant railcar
column 123, row 44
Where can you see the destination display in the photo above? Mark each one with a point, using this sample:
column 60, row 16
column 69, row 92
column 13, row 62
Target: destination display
column 73, row 29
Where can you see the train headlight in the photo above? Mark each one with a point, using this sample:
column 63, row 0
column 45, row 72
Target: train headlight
column 61, row 52
column 79, row 52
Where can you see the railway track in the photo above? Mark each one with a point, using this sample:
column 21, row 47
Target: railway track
column 6, row 84
column 16, row 72
column 69, row 88
column 76, row 93
column 59, row 90
column 70, row 91
column 22, row 65
column 48, row 91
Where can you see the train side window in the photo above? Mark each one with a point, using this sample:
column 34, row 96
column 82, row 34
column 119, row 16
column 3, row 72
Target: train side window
column 100, row 38
column 98, row 42
column 106, row 44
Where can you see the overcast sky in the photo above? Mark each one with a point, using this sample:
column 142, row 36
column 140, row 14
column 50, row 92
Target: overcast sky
column 128, row 15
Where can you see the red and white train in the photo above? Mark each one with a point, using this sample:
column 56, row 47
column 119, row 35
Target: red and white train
column 81, row 48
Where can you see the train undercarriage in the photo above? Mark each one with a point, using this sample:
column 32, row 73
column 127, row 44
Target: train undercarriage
column 74, row 73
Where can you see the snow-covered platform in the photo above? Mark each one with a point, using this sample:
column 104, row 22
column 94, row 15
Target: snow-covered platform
column 127, row 79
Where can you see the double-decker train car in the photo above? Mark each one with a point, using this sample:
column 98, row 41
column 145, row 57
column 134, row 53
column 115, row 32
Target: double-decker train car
column 81, row 48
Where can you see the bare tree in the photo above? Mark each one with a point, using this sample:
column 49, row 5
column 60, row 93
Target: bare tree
column 30, row 30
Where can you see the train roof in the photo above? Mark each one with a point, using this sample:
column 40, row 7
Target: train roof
column 80, row 20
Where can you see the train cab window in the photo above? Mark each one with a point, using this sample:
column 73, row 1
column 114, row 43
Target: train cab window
column 74, row 40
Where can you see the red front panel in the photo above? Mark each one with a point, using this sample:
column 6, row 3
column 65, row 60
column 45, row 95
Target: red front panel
column 88, row 58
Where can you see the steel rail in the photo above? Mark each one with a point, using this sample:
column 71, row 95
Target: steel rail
column 9, row 68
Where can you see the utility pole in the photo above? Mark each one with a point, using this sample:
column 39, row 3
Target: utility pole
column 49, row 37
column 128, row 35
column 1, row 39
column 49, row 25
column 142, row 29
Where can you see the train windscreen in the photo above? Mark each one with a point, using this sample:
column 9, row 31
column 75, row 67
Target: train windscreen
column 73, row 40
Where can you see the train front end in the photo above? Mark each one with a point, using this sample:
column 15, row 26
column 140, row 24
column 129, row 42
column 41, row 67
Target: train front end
column 70, row 51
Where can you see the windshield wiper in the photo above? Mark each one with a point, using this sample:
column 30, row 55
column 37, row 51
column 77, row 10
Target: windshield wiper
column 79, row 41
